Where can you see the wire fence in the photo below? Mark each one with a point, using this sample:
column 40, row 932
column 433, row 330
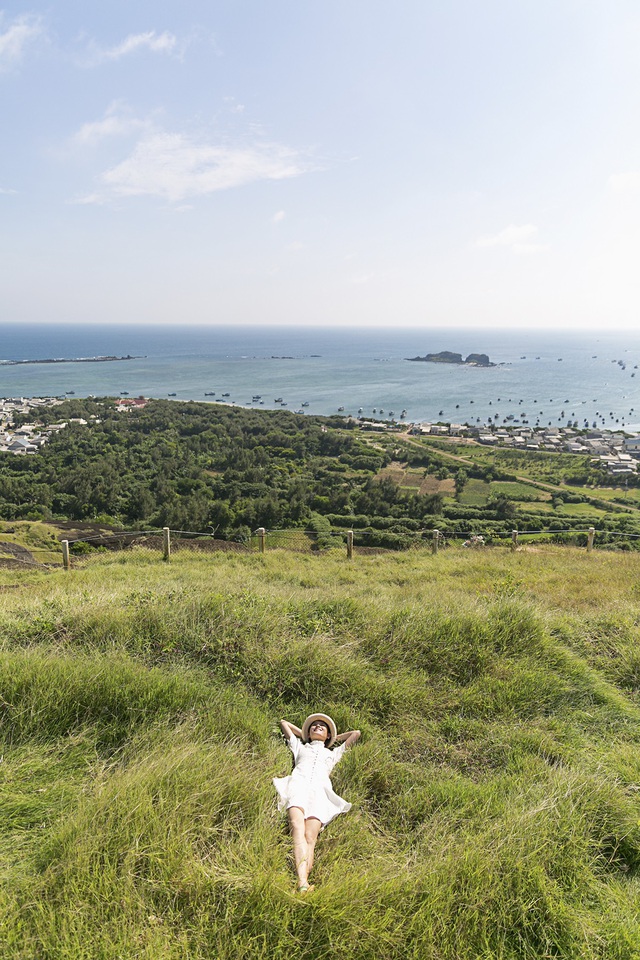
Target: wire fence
column 162, row 541
column 366, row 542
column 165, row 542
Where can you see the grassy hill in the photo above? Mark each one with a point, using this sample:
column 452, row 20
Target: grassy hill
column 496, row 809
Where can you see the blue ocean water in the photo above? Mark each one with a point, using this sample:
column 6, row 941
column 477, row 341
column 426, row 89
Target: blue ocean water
column 538, row 377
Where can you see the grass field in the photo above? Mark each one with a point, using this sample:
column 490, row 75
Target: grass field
column 495, row 791
column 26, row 542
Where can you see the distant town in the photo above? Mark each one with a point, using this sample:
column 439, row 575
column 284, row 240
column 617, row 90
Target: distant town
column 617, row 451
column 30, row 437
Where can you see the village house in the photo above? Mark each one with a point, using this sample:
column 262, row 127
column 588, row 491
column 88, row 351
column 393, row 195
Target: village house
column 131, row 403
column 632, row 446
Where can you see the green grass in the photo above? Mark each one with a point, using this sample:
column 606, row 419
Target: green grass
column 496, row 810
column 582, row 510
column 40, row 539
column 519, row 491
column 475, row 493
column 631, row 497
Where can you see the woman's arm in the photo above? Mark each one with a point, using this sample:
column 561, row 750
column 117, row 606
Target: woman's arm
column 290, row 730
column 348, row 738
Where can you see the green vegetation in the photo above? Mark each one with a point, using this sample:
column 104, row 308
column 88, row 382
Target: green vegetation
column 196, row 466
column 226, row 471
column 495, row 792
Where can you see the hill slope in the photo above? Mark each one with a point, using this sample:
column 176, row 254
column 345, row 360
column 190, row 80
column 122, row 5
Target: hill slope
column 495, row 790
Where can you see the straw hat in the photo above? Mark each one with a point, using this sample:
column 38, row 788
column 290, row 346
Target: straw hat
column 333, row 732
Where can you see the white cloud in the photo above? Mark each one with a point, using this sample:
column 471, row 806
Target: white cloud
column 279, row 216
column 511, row 236
column 175, row 167
column 21, row 31
column 233, row 106
column 154, row 42
column 7, row 192
column 117, row 122
column 90, row 199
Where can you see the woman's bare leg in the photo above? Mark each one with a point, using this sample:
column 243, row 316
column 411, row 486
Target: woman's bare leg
column 300, row 845
column 312, row 828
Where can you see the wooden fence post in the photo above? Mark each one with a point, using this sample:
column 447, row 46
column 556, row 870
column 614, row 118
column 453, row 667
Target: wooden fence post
column 349, row 544
column 262, row 539
column 66, row 559
column 435, row 541
column 591, row 535
column 514, row 540
column 166, row 543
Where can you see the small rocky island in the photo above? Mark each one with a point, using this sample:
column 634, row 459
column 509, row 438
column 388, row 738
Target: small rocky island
column 15, row 363
column 445, row 356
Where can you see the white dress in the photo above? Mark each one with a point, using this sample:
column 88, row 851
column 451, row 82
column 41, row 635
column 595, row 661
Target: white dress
column 309, row 786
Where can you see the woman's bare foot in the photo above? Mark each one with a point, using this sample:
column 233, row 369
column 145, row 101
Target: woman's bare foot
column 305, row 888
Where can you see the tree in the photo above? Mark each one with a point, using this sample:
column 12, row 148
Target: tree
column 461, row 478
column 504, row 507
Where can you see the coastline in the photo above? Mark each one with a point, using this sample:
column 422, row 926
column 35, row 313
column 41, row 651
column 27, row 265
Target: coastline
column 331, row 369
column 110, row 359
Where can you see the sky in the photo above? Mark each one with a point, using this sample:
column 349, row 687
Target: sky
column 345, row 162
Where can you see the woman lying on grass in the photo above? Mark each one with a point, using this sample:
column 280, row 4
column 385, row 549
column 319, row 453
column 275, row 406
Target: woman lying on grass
column 307, row 794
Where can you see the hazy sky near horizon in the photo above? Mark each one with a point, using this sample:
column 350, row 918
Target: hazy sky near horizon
column 345, row 162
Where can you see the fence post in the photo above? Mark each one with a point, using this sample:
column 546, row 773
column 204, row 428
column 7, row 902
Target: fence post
column 166, row 543
column 66, row 559
column 592, row 533
column 349, row 544
column 262, row 539
column 514, row 540
column 434, row 542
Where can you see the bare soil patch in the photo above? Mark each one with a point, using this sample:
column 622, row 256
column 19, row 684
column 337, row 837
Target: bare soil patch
column 404, row 477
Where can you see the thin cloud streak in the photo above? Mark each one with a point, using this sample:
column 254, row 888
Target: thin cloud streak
column 164, row 43
column 117, row 122
column 511, row 236
column 175, row 168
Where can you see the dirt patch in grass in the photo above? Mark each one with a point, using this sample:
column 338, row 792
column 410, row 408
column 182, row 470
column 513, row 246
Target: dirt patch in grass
column 415, row 480
column 433, row 485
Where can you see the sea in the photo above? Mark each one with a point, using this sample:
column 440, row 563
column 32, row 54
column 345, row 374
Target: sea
column 544, row 378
